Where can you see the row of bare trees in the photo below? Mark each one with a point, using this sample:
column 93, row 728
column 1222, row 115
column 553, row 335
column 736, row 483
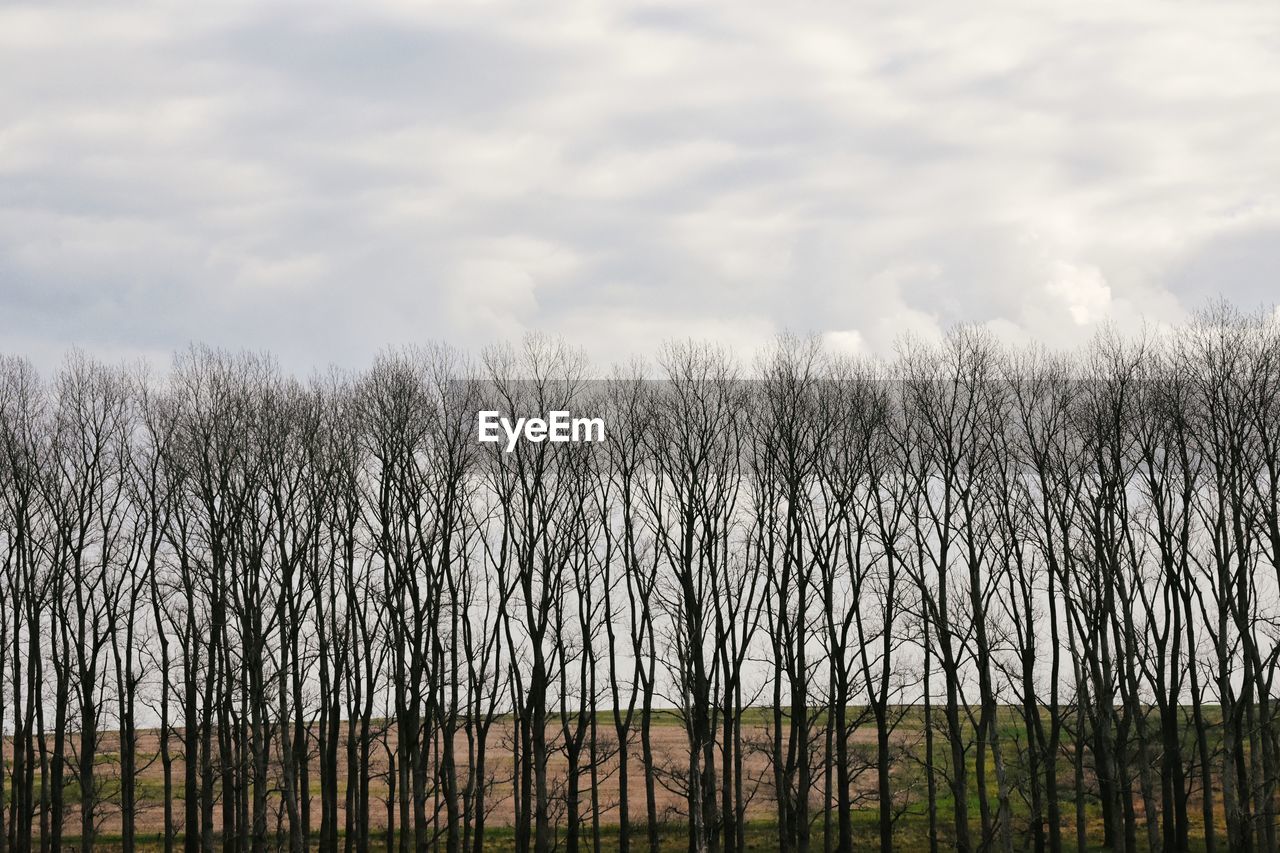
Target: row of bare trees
column 993, row 599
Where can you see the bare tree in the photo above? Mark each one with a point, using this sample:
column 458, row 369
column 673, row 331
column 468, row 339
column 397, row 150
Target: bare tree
column 1047, row 582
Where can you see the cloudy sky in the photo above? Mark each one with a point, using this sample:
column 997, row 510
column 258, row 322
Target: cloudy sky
column 325, row 180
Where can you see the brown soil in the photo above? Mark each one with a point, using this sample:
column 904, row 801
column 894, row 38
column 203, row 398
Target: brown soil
column 669, row 747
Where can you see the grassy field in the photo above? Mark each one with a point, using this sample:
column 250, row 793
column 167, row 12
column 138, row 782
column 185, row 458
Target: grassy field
column 912, row 834
column 911, row 830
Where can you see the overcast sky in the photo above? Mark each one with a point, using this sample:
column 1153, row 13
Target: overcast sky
column 323, row 181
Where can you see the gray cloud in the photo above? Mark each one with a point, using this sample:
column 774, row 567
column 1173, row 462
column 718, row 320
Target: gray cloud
column 325, row 180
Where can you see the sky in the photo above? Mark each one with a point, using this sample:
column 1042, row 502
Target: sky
column 327, row 180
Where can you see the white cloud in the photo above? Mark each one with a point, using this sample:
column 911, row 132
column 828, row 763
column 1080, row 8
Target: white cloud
column 845, row 342
column 1082, row 291
column 621, row 173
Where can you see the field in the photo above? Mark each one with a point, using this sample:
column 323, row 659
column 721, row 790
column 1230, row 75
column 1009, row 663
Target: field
column 668, row 739
column 668, row 742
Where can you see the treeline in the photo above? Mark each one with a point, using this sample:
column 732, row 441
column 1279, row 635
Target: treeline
column 996, row 592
